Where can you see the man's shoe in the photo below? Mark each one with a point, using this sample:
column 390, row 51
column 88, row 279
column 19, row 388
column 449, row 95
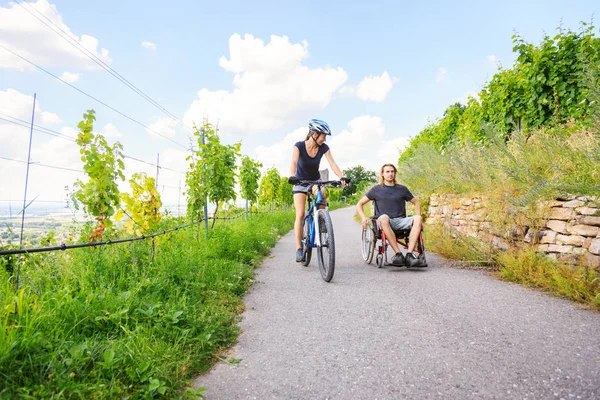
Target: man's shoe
column 398, row 259
column 414, row 262
column 299, row 255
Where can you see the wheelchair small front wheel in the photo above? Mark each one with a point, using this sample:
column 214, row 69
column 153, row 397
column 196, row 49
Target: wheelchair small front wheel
column 379, row 260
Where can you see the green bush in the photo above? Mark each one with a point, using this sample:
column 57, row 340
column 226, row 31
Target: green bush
column 126, row 320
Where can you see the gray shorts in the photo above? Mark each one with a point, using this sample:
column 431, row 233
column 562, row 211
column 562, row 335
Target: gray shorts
column 399, row 224
column 302, row 189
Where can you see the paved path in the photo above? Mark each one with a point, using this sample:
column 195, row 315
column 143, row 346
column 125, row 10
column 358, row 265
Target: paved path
column 391, row 333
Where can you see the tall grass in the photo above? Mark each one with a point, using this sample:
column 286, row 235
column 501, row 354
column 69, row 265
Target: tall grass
column 119, row 321
column 526, row 168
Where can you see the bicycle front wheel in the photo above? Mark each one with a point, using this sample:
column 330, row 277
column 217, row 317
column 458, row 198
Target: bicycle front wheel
column 326, row 252
column 306, row 242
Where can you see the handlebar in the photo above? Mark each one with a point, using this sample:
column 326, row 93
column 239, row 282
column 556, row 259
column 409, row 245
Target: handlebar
column 318, row 182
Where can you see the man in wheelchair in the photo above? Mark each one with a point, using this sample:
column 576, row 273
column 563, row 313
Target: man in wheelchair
column 390, row 199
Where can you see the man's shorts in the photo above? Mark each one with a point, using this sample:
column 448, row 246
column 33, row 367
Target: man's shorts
column 399, row 224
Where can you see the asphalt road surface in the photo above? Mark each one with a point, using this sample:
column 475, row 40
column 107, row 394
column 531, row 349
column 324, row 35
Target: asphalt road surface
column 394, row 333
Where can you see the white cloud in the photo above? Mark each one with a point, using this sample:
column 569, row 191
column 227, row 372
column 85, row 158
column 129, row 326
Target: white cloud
column 164, row 126
column 111, row 131
column 375, row 88
column 347, row 91
column 279, row 154
column 149, row 45
column 70, row 77
column 362, row 143
column 23, row 33
column 19, row 105
column 492, row 59
column 270, row 86
column 441, row 74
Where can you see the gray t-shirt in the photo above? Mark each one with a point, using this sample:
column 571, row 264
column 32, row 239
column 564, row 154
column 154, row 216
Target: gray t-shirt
column 390, row 200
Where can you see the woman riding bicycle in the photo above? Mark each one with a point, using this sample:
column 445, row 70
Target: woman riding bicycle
column 306, row 158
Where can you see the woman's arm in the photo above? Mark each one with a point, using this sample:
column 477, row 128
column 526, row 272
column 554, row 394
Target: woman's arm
column 334, row 165
column 294, row 163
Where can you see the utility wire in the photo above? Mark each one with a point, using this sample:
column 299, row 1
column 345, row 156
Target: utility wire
column 41, row 165
column 37, row 128
column 50, row 132
column 92, row 97
column 69, row 39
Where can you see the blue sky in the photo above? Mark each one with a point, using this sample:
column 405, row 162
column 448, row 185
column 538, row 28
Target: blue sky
column 312, row 63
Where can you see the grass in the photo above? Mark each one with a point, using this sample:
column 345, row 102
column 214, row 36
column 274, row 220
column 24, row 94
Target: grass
column 469, row 250
column 520, row 172
column 578, row 283
column 516, row 176
column 119, row 322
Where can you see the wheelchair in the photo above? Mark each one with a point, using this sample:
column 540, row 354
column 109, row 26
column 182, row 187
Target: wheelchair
column 374, row 240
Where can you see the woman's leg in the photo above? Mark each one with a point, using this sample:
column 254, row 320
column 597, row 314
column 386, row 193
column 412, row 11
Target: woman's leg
column 299, row 204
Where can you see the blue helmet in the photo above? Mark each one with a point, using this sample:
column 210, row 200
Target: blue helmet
column 316, row 125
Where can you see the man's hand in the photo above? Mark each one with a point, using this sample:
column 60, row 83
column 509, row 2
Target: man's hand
column 364, row 222
column 344, row 181
column 292, row 180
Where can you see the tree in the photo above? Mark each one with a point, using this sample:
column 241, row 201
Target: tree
column 269, row 187
column 103, row 164
column 212, row 172
column 284, row 193
column 357, row 175
column 142, row 206
column 249, row 179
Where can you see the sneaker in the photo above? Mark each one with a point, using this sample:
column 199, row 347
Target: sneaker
column 414, row 262
column 299, row 255
column 398, row 259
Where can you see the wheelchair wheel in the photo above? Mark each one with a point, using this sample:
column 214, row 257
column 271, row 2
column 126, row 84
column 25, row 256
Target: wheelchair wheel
column 368, row 245
column 379, row 260
column 421, row 248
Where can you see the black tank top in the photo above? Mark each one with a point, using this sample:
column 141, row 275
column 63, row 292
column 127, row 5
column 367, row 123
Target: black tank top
column 308, row 167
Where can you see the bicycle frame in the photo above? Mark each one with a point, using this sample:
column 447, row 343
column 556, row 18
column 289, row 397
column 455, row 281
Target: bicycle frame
column 313, row 220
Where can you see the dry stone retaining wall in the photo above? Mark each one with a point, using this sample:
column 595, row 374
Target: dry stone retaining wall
column 568, row 230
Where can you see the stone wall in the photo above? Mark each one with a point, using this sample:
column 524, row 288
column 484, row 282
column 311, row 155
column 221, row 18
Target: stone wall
column 569, row 228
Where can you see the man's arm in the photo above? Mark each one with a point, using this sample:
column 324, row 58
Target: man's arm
column 417, row 205
column 359, row 208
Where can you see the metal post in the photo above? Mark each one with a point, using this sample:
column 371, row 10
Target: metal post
column 246, row 209
column 179, row 200
column 204, row 178
column 25, row 195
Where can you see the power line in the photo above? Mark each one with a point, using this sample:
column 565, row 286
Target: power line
column 41, row 165
column 50, row 132
column 37, row 128
column 92, row 97
column 98, row 61
column 154, row 165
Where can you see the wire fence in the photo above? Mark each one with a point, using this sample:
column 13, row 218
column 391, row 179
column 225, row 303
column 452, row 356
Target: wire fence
column 65, row 246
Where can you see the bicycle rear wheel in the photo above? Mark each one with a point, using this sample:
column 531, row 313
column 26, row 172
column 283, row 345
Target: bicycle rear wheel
column 326, row 252
column 306, row 243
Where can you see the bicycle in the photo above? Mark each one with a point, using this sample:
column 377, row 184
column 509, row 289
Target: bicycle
column 317, row 219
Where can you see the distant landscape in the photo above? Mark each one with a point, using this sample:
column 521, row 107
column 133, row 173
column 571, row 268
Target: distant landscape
column 43, row 219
